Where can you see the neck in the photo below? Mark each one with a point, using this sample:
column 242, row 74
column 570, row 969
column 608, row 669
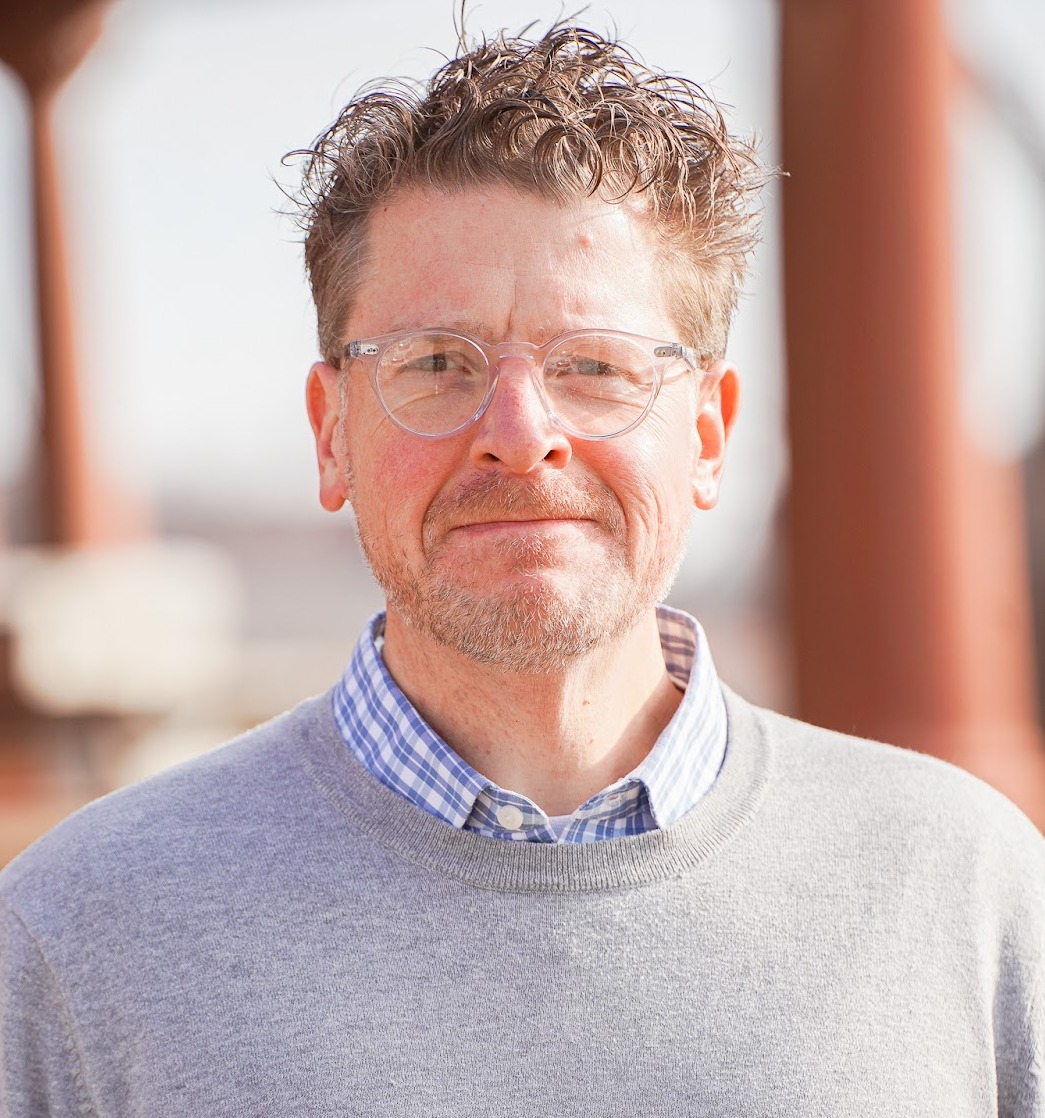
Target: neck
column 556, row 737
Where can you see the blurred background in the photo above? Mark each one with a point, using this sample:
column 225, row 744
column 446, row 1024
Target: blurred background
column 167, row 578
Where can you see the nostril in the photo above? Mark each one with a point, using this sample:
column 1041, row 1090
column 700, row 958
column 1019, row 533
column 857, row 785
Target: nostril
column 517, row 432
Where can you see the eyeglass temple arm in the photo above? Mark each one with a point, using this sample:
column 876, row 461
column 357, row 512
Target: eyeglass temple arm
column 677, row 349
column 361, row 349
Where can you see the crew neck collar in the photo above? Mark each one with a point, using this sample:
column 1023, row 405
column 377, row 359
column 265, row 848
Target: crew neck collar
column 420, row 838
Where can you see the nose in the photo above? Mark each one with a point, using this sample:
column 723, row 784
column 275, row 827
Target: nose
column 516, row 432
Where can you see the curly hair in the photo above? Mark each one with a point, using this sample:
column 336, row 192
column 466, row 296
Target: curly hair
column 569, row 115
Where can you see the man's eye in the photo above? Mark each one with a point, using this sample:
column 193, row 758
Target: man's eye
column 585, row 367
column 439, row 363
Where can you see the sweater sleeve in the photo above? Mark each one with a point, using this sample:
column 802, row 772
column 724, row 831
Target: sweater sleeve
column 41, row 1073
column 1027, row 1096
column 1019, row 997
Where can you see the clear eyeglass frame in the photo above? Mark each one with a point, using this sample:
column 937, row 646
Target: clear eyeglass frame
column 662, row 355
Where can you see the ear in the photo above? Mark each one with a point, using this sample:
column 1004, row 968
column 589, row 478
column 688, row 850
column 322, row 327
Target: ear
column 714, row 423
column 323, row 400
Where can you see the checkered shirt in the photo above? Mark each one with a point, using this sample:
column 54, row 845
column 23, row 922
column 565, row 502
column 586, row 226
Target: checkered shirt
column 390, row 739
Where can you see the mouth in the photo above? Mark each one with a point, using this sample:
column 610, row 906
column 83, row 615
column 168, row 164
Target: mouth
column 494, row 508
column 521, row 524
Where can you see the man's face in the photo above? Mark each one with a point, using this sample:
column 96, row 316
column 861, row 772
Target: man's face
column 513, row 542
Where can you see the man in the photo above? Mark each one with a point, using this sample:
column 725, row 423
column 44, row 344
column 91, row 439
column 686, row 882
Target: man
column 528, row 855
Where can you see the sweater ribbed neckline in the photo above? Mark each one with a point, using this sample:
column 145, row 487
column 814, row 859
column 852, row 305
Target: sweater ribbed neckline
column 529, row 867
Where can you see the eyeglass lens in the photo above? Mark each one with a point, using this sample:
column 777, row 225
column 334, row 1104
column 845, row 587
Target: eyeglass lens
column 434, row 383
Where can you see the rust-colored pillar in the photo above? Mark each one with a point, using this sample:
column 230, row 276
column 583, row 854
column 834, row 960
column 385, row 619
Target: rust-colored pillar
column 43, row 41
column 910, row 599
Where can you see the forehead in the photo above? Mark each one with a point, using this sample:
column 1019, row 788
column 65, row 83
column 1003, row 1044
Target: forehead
column 504, row 264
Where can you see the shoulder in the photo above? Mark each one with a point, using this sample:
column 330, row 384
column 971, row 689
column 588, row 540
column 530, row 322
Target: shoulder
column 911, row 861
column 895, row 803
column 198, row 813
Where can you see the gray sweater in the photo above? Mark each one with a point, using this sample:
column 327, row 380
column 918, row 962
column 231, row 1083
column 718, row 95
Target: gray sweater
column 838, row 929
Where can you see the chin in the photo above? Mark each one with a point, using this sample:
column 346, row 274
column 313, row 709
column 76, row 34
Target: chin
column 522, row 609
column 526, row 623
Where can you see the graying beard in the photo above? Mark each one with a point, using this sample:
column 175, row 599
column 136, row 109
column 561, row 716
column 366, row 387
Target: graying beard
column 528, row 633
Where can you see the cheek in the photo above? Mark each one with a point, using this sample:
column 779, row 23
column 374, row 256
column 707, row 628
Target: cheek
column 396, row 477
column 394, row 486
column 370, row 437
column 651, row 481
column 659, row 481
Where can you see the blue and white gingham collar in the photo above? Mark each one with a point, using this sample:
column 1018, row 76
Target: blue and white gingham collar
column 390, row 739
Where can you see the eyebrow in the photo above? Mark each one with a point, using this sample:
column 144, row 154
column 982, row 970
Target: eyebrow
column 455, row 325
column 476, row 329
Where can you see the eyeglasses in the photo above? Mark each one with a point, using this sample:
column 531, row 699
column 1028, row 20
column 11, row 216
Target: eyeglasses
column 595, row 384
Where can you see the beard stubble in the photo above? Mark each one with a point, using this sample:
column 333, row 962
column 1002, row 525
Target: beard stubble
column 535, row 625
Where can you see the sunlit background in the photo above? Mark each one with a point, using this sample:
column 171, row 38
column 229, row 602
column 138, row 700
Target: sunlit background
column 195, row 330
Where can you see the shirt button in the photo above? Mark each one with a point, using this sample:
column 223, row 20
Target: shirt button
column 510, row 817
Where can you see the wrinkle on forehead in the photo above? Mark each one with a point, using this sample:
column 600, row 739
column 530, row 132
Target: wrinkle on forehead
column 504, row 265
